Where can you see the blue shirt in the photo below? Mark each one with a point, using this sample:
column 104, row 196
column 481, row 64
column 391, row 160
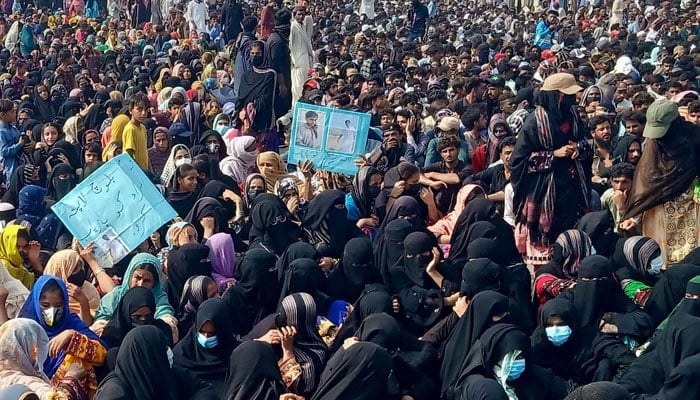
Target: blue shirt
column 10, row 149
column 543, row 36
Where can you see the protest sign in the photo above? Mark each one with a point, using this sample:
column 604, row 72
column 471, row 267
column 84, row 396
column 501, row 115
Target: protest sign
column 116, row 208
column 329, row 137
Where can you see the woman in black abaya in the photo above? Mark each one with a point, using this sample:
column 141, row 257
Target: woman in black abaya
column 358, row 372
column 143, row 372
column 206, row 349
column 356, row 269
column 253, row 373
column 389, row 248
column 326, row 223
column 374, row 300
column 304, row 276
column 184, row 262
column 292, row 252
column 272, row 226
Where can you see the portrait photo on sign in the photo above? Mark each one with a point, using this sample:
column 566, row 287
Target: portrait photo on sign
column 342, row 131
column 310, row 128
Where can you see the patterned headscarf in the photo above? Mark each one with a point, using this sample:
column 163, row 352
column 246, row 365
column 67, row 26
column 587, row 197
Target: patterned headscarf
column 639, row 251
column 570, row 248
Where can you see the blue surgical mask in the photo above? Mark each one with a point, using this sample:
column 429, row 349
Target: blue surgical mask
column 558, row 335
column 593, row 251
column 222, row 129
column 516, row 369
column 170, row 357
column 207, row 342
column 655, row 265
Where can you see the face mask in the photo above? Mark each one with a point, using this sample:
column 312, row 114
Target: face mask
column 655, row 265
column 222, row 129
column 373, row 191
column 516, row 369
column 78, row 278
column 253, row 193
column 213, row 147
column 593, row 251
column 170, row 357
column 256, row 61
column 183, row 161
column 558, row 335
column 207, row 343
column 52, row 315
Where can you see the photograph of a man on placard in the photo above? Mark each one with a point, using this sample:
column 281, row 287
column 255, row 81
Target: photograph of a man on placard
column 310, row 128
column 342, row 133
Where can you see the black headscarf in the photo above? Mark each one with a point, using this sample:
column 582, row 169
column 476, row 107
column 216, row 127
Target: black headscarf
column 303, row 275
column 272, row 225
column 622, row 147
column 359, row 372
column 669, row 290
column 326, row 223
column 415, row 260
column 356, row 269
column 142, row 368
column 59, row 187
column 121, row 323
column 374, row 300
column 255, row 294
column 389, row 249
column 407, row 208
column 253, row 373
column 293, row 252
column 360, row 191
column 381, row 329
column 599, row 226
column 194, row 293
column 184, row 262
column 46, row 110
column 208, row 364
column 480, row 274
column 459, row 244
column 479, row 317
column 207, row 207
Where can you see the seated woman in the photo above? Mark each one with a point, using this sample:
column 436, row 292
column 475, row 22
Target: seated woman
column 179, row 155
column 144, row 371
column 253, row 373
column 84, row 298
column 206, row 349
column 582, row 355
column 183, row 189
column 560, row 274
column 178, row 234
column 222, row 255
column 143, row 270
column 355, row 270
column 502, row 355
column 445, row 226
column 272, row 228
column 326, row 223
column 303, row 351
column 72, row 342
column 197, row 289
column 359, row 202
column 136, row 308
column 24, row 348
column 641, row 268
column 184, row 262
column 15, row 243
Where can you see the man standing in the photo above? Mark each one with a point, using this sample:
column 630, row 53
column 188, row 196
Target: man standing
column 420, row 21
column 196, row 16
column 278, row 58
column 242, row 62
column 231, row 17
column 301, row 52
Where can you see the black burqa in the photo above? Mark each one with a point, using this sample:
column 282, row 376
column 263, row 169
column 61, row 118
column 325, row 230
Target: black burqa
column 599, row 226
column 210, row 365
column 184, row 262
column 356, row 269
column 121, row 322
column 480, row 315
column 255, row 294
column 208, row 207
column 272, row 226
column 326, row 223
column 292, row 252
column 359, row 372
column 253, row 373
column 389, row 248
column 304, row 276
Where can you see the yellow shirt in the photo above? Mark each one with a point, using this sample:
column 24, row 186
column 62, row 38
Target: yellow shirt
column 134, row 138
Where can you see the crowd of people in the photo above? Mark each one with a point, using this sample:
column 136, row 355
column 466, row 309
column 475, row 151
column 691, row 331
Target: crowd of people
column 523, row 223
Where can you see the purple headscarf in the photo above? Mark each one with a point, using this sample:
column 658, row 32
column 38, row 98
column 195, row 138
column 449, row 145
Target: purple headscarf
column 223, row 258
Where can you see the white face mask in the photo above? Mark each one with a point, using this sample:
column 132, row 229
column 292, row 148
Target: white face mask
column 655, row 265
column 170, row 357
column 49, row 315
column 593, row 251
column 183, row 161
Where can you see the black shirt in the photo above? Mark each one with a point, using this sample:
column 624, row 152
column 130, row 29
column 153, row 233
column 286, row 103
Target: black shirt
column 445, row 198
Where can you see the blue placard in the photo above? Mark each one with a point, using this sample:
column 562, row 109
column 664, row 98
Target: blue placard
column 329, row 137
column 116, row 208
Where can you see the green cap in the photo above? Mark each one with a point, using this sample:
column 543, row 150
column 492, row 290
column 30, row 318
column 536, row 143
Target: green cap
column 660, row 115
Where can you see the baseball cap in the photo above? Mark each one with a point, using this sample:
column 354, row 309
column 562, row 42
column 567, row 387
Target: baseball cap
column 497, row 81
column 180, row 129
column 660, row 115
column 561, row 82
